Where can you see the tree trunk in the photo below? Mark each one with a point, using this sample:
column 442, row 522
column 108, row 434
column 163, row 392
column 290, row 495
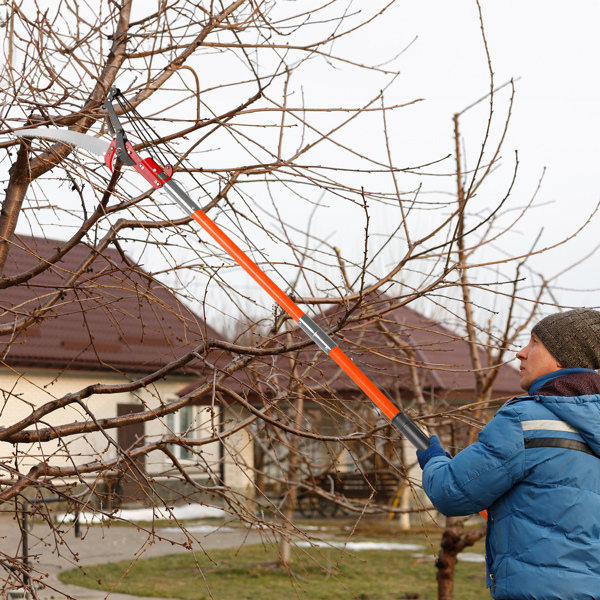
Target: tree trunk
column 405, row 504
column 446, row 561
column 285, row 544
column 13, row 201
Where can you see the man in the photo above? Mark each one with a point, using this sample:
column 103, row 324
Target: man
column 536, row 469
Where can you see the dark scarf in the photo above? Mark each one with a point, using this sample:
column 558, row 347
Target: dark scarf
column 575, row 384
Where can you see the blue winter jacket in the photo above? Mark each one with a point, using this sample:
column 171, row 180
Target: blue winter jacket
column 536, row 469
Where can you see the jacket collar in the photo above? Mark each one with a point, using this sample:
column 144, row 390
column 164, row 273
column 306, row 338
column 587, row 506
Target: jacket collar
column 540, row 381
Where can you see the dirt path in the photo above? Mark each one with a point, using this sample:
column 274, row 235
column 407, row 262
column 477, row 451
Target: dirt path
column 108, row 544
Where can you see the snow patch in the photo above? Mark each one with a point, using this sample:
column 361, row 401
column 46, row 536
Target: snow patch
column 198, row 529
column 360, row 546
column 188, row 512
column 471, row 557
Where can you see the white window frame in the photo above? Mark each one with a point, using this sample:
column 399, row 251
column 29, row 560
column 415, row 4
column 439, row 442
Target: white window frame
column 183, row 423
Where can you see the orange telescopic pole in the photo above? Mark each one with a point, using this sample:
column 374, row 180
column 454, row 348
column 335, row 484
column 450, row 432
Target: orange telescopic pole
column 397, row 416
column 400, row 420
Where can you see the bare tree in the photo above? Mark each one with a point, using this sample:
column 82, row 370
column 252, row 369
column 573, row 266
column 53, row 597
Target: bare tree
column 492, row 328
column 227, row 99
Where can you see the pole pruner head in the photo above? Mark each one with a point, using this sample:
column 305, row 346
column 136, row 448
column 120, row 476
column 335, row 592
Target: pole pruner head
column 122, row 149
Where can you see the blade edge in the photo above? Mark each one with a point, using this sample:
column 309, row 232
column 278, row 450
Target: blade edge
column 81, row 140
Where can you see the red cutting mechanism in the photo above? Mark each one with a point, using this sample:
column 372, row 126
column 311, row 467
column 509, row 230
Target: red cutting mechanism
column 152, row 172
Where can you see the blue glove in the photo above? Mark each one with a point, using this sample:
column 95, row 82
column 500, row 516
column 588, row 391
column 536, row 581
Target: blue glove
column 435, row 449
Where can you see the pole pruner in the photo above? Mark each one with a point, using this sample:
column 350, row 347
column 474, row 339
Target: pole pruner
column 159, row 174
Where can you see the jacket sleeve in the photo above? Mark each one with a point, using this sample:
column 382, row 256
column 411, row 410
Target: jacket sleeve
column 476, row 477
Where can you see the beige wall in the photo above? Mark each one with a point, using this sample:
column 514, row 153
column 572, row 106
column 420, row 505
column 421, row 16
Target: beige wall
column 23, row 392
column 238, row 456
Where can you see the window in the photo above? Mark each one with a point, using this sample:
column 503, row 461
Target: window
column 182, row 423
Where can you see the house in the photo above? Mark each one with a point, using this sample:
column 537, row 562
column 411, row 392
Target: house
column 423, row 366
column 114, row 326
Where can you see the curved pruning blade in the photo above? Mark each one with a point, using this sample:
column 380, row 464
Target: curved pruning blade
column 81, row 140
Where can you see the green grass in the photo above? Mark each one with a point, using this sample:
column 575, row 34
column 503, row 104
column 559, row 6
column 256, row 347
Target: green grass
column 251, row 573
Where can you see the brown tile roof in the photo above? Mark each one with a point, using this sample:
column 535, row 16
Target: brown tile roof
column 442, row 355
column 118, row 318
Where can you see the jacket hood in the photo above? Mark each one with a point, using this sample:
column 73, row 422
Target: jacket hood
column 581, row 412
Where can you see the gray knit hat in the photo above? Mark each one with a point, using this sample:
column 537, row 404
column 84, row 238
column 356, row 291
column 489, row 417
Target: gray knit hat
column 572, row 337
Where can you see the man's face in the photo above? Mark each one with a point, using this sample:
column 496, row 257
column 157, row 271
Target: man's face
column 536, row 361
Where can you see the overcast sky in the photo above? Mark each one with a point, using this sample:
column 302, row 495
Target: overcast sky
column 552, row 50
